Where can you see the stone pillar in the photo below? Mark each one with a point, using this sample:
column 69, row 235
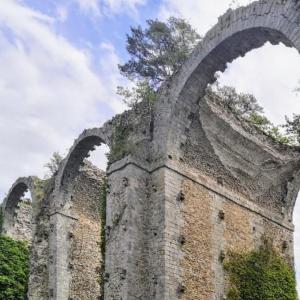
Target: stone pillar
column 61, row 225
column 126, row 258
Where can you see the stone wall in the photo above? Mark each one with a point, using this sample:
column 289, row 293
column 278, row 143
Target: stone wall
column 214, row 226
column 85, row 238
column 22, row 222
column 39, row 250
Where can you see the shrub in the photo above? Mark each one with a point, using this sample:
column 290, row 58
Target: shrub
column 14, row 269
column 260, row 275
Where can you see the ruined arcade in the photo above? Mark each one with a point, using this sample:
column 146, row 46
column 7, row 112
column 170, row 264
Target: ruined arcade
column 186, row 184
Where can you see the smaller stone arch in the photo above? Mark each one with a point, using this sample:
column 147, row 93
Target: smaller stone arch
column 86, row 142
column 10, row 207
column 76, row 222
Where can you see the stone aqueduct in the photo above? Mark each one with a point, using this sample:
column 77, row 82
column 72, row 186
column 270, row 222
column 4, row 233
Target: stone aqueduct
column 191, row 183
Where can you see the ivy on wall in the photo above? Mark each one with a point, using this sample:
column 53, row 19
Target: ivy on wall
column 260, row 275
column 1, row 219
column 120, row 145
column 102, row 210
column 14, row 269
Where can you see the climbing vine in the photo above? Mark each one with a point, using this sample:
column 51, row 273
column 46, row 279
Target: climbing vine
column 14, row 269
column 260, row 275
column 102, row 210
column 120, row 146
column 1, row 219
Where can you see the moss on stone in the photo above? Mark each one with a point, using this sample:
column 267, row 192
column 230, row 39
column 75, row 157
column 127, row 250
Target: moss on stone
column 260, row 275
column 120, row 145
column 102, row 208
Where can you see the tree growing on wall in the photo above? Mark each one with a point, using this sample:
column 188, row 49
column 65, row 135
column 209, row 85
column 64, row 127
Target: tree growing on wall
column 161, row 48
column 53, row 164
column 156, row 53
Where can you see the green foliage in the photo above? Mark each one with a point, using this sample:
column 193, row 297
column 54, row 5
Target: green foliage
column 14, row 269
column 120, row 145
column 239, row 103
column 293, row 127
column 247, row 107
column 142, row 91
column 276, row 134
column 1, row 219
column 156, row 53
column 53, row 164
column 102, row 211
column 260, row 275
column 40, row 188
column 159, row 50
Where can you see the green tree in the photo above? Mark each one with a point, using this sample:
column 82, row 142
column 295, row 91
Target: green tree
column 14, row 269
column 159, row 50
column 141, row 91
column 156, row 53
column 53, row 164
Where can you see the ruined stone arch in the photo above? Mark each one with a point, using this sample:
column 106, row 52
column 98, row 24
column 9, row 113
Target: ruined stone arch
column 236, row 33
column 75, row 240
column 86, row 142
column 10, row 207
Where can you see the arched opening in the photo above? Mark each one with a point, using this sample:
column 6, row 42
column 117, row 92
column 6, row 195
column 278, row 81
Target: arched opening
column 82, row 185
column 271, row 74
column 18, row 218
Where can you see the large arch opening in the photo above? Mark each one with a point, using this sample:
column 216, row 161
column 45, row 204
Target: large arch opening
column 271, row 74
column 82, row 185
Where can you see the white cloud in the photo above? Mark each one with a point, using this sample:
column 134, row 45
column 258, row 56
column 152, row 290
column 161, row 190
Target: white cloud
column 48, row 91
column 202, row 14
column 98, row 7
column 89, row 6
column 119, row 5
column 62, row 13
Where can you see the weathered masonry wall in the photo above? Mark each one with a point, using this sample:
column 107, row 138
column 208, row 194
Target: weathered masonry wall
column 39, row 251
column 22, row 224
column 85, row 237
column 213, row 226
column 126, row 256
column 228, row 192
column 75, row 239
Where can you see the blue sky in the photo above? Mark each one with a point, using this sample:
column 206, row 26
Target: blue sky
column 59, row 73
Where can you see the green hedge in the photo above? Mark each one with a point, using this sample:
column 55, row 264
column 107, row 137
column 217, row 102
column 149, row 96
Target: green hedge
column 14, row 269
column 260, row 275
